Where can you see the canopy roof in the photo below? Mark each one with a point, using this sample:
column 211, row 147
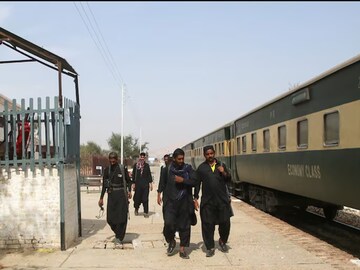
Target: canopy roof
column 36, row 53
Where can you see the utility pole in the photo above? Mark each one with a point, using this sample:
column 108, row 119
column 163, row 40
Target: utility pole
column 140, row 141
column 122, row 124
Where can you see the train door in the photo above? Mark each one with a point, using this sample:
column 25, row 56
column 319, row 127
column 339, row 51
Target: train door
column 232, row 153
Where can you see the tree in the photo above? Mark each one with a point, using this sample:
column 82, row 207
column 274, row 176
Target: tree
column 91, row 148
column 87, row 151
column 131, row 145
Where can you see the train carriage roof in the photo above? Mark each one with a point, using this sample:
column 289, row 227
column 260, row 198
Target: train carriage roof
column 305, row 84
column 215, row 130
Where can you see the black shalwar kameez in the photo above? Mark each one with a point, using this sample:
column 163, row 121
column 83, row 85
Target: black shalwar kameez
column 117, row 202
column 215, row 208
column 177, row 202
column 142, row 182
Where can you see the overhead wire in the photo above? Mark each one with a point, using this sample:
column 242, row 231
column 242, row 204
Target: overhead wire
column 97, row 41
column 105, row 52
column 107, row 48
column 112, row 61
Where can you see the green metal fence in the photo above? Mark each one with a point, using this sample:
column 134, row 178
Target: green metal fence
column 39, row 135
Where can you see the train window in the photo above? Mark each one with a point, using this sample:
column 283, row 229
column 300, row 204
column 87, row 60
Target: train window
column 238, row 145
column 302, row 133
column 282, row 137
column 253, row 142
column 243, row 142
column 331, row 125
column 266, row 134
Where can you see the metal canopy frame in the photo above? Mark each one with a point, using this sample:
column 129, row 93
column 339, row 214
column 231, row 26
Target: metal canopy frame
column 38, row 54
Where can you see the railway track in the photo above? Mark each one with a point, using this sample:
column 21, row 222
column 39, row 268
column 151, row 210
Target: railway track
column 314, row 233
column 343, row 232
column 336, row 232
column 344, row 220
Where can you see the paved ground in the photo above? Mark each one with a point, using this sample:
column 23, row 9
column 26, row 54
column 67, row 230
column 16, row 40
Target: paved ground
column 254, row 244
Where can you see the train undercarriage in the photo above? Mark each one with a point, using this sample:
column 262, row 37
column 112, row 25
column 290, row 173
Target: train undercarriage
column 269, row 200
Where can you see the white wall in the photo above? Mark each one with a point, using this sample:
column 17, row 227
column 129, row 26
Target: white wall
column 30, row 208
column 71, row 205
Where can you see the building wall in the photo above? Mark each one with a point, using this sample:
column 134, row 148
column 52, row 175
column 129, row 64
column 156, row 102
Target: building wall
column 30, row 208
column 71, row 205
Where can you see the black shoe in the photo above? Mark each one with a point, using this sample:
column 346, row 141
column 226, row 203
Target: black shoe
column 210, row 252
column 171, row 247
column 146, row 215
column 184, row 255
column 223, row 246
column 136, row 212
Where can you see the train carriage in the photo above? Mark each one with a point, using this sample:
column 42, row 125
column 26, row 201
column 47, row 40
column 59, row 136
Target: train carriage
column 305, row 143
column 300, row 149
column 189, row 156
column 220, row 139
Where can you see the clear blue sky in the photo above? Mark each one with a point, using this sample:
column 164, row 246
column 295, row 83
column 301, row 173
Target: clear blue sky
column 189, row 67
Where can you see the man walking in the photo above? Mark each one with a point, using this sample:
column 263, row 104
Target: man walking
column 117, row 183
column 215, row 208
column 176, row 185
column 142, row 182
column 163, row 173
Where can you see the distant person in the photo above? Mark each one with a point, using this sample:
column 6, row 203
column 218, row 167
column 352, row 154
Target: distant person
column 215, row 208
column 19, row 145
column 176, row 186
column 142, row 183
column 163, row 171
column 167, row 160
column 117, row 183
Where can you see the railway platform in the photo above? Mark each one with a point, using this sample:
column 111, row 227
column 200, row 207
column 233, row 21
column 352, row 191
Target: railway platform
column 257, row 241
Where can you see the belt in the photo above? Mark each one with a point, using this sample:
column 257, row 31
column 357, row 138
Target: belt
column 116, row 185
column 117, row 188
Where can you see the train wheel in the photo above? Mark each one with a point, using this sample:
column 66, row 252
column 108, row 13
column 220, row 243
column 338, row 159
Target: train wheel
column 245, row 195
column 330, row 212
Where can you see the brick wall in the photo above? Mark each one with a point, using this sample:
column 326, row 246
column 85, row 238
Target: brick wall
column 30, row 208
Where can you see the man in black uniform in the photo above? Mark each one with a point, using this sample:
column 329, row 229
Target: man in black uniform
column 117, row 183
column 176, row 186
column 167, row 159
column 163, row 173
column 215, row 205
column 142, row 182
